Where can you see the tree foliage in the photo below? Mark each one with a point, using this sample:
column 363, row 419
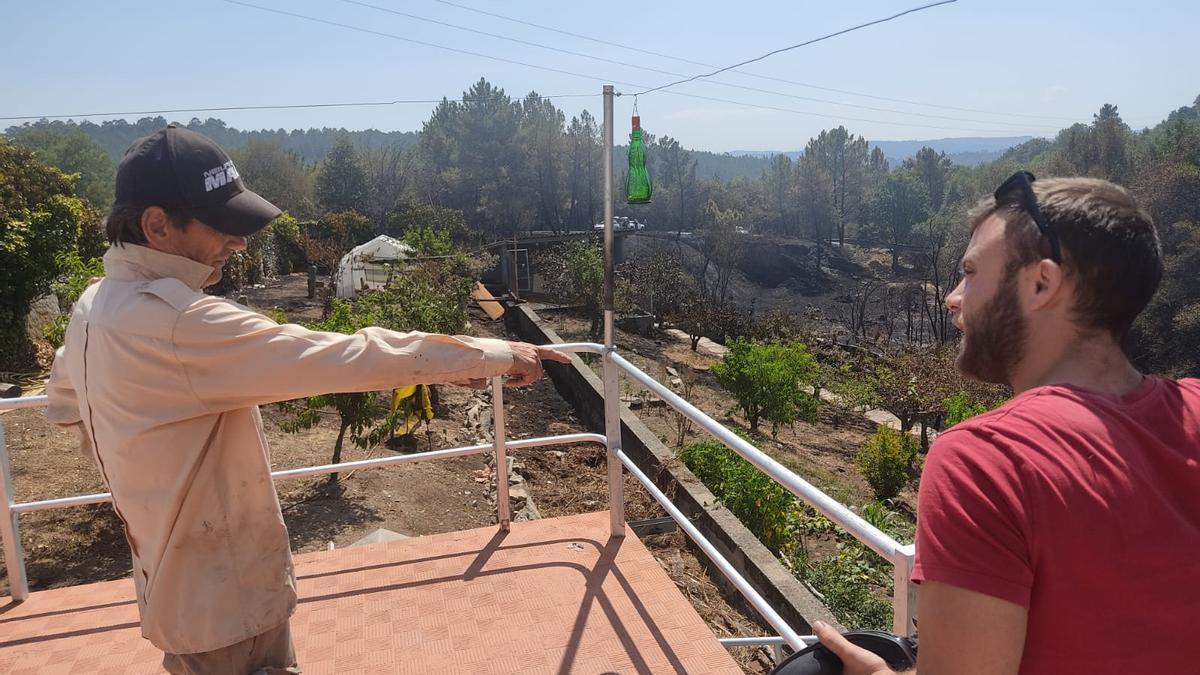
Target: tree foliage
column 341, row 181
column 575, row 273
column 74, row 153
column 40, row 225
column 280, row 176
column 769, row 381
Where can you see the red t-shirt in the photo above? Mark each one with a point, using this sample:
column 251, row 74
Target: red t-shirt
column 1084, row 509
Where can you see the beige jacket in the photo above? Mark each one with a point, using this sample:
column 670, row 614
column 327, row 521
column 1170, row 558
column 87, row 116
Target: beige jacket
column 164, row 384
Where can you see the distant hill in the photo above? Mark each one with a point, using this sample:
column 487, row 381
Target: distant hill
column 967, row 151
column 311, row 144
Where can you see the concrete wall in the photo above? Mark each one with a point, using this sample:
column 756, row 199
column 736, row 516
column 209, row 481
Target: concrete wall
column 580, row 386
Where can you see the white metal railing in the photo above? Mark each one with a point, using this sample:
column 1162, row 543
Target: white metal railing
column 901, row 556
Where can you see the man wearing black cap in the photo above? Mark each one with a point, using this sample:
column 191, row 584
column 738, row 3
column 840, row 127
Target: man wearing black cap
column 163, row 384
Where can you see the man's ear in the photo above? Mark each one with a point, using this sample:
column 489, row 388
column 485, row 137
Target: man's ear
column 155, row 226
column 1048, row 283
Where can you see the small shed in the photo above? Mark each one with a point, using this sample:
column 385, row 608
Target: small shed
column 368, row 265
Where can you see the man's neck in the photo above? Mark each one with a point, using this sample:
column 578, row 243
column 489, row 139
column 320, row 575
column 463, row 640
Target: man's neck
column 1093, row 363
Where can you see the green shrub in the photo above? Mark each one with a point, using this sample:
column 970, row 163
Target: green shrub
column 765, row 507
column 288, row 243
column 769, row 381
column 887, row 461
column 75, row 275
column 428, row 241
column 844, row 581
column 40, row 220
column 961, row 406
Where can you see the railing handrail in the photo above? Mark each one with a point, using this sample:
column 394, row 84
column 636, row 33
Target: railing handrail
column 900, row 555
column 323, row 469
column 879, row 541
column 39, row 401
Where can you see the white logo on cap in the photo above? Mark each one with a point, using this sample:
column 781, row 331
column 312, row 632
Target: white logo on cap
column 220, row 176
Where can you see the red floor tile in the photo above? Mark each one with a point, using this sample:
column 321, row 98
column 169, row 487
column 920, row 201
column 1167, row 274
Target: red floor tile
column 551, row 596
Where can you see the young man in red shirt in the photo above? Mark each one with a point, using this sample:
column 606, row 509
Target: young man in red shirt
column 1059, row 533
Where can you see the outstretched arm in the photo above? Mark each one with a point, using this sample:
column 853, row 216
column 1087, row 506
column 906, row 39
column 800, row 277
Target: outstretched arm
column 236, row 358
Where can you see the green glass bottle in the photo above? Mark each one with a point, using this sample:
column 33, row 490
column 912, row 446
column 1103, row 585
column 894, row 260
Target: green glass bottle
column 637, row 182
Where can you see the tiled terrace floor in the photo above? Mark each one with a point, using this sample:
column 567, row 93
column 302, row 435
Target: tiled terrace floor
column 553, row 596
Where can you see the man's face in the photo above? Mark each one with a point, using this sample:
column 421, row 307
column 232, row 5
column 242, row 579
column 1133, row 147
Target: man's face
column 986, row 308
column 205, row 245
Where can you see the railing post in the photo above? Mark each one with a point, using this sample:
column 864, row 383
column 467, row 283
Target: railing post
column 904, row 595
column 503, row 508
column 612, row 389
column 612, row 431
column 14, row 557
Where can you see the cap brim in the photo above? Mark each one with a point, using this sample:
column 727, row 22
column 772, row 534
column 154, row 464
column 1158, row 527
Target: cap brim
column 244, row 214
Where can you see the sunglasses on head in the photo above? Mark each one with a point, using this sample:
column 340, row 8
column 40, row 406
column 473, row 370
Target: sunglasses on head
column 1020, row 184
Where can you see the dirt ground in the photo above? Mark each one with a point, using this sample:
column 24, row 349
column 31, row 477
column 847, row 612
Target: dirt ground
column 821, row 452
column 84, row 544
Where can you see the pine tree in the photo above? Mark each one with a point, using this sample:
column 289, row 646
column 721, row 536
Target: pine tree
column 342, row 183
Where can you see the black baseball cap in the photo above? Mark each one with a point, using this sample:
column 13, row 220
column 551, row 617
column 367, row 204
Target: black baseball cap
column 181, row 170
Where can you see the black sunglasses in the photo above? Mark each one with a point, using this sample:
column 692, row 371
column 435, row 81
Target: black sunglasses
column 1022, row 182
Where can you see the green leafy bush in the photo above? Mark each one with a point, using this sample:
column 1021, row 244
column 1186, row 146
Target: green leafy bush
column 887, row 460
column 765, row 507
column 962, row 406
column 769, row 381
column 845, row 580
column 40, row 220
column 428, row 241
column 75, row 276
column 288, row 243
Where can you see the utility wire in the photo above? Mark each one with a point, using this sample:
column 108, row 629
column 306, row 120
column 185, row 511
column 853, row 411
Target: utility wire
column 702, row 64
column 1020, row 125
column 466, row 99
column 799, row 45
column 595, row 77
column 266, row 107
column 393, row 36
column 833, row 117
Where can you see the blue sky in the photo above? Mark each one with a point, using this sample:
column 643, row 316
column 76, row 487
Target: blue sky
column 1060, row 60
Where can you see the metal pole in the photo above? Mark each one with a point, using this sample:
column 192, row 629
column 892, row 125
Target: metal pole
column 904, row 593
column 14, row 557
column 503, row 508
column 612, row 391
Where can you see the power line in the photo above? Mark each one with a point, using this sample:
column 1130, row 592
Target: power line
column 267, row 107
column 801, row 44
column 393, row 36
column 497, row 36
column 823, row 115
column 465, row 99
column 702, row 64
column 592, row 77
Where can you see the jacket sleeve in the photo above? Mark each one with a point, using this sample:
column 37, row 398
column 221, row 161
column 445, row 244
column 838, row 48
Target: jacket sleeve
column 62, row 406
column 235, row 358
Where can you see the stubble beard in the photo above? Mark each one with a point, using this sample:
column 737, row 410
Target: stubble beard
column 994, row 339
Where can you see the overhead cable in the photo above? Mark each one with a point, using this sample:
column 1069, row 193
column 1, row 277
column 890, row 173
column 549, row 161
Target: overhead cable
column 408, row 15
column 702, row 64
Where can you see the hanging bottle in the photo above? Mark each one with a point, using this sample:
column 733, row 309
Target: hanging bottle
column 637, row 182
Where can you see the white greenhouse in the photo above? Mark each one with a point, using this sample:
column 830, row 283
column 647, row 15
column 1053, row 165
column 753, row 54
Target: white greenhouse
column 368, row 265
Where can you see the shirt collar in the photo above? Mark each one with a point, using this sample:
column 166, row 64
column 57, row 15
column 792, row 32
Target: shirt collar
column 130, row 262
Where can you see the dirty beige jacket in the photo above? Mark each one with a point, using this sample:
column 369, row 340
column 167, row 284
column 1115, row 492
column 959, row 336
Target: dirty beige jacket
column 164, row 382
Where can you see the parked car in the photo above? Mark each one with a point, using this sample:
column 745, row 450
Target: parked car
column 622, row 224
